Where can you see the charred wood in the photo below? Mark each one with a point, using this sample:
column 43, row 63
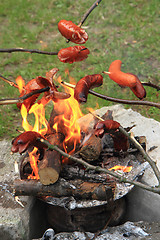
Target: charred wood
column 74, row 172
column 62, row 188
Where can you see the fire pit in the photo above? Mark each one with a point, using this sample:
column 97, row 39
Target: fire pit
column 68, row 190
column 38, row 207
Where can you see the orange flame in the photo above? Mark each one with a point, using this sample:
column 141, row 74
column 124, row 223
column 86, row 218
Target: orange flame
column 70, row 113
column 21, row 84
column 40, row 125
column 123, row 168
column 68, row 119
column 33, row 163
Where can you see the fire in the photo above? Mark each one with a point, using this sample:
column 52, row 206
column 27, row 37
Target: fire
column 66, row 122
column 70, row 113
column 21, row 84
column 123, row 168
column 40, row 124
column 33, row 163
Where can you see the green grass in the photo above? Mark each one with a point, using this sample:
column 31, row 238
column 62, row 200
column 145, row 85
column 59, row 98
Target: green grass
column 125, row 30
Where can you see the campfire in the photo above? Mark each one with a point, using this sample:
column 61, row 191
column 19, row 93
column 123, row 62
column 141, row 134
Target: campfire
column 67, row 186
column 79, row 166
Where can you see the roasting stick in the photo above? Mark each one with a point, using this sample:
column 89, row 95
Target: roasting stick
column 117, row 100
column 101, row 119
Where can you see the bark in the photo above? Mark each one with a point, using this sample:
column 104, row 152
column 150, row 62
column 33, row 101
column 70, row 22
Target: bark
column 50, row 166
column 92, row 147
column 62, row 188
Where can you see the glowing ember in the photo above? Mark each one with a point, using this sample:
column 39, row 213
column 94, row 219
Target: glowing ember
column 123, row 168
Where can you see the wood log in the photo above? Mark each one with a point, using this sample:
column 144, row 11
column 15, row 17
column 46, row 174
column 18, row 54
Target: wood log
column 50, row 166
column 25, row 168
column 92, row 147
column 72, row 172
column 62, row 188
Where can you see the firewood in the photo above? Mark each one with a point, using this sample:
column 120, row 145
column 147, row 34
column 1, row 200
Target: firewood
column 91, row 149
column 25, row 168
column 49, row 167
column 62, row 188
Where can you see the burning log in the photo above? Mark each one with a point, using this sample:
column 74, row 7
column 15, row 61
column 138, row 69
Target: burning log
column 49, row 167
column 62, row 188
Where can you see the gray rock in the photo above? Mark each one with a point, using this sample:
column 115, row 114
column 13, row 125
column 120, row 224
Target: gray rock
column 13, row 218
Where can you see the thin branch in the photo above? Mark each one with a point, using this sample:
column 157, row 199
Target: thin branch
column 144, row 153
column 100, row 169
column 10, row 50
column 8, row 81
column 88, row 12
column 24, row 97
column 149, row 84
column 117, row 100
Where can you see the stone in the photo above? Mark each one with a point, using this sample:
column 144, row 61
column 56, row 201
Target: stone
column 12, row 225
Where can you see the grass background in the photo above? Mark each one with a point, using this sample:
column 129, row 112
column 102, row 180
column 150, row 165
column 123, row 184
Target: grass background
column 125, row 30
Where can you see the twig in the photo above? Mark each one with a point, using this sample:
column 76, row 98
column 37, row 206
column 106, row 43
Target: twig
column 117, row 100
column 10, row 50
column 149, row 84
column 145, row 155
column 24, row 97
column 8, row 81
column 88, row 12
column 100, row 169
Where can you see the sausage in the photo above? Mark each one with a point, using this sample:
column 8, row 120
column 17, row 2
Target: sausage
column 111, row 127
column 30, row 86
column 72, row 32
column 105, row 126
column 123, row 79
column 85, row 84
column 39, row 83
column 25, row 140
column 51, row 73
column 73, row 54
column 53, row 92
column 139, row 90
column 126, row 79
